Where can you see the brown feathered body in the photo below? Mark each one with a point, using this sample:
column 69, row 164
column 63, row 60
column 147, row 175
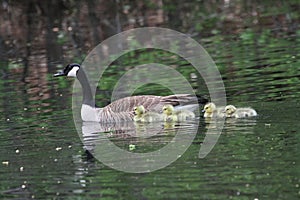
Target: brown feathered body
column 122, row 109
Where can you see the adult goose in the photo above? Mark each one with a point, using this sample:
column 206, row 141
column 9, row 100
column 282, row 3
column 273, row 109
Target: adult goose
column 122, row 109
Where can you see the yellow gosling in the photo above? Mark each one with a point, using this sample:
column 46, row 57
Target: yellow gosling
column 140, row 115
column 170, row 115
column 232, row 111
column 210, row 110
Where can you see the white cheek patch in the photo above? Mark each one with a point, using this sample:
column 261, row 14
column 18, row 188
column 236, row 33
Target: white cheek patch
column 73, row 72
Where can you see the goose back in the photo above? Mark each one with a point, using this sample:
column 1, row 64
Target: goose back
column 122, row 109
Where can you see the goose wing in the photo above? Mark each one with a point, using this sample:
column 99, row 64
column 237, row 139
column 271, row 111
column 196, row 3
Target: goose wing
column 150, row 102
column 122, row 109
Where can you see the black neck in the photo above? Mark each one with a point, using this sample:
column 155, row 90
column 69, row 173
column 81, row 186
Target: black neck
column 86, row 88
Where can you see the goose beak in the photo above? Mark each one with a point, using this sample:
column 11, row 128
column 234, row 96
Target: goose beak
column 59, row 74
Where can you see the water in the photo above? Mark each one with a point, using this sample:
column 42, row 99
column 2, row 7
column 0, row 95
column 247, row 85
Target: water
column 254, row 158
column 42, row 156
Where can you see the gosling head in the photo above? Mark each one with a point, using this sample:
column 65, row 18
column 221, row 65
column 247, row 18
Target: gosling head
column 139, row 110
column 230, row 109
column 70, row 70
column 209, row 108
column 168, row 109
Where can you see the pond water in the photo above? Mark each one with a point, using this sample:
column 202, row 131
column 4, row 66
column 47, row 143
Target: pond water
column 43, row 157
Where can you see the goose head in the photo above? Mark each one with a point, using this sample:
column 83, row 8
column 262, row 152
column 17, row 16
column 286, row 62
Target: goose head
column 139, row 110
column 230, row 109
column 209, row 108
column 70, row 70
column 168, row 109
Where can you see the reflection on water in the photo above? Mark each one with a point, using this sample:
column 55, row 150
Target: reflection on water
column 241, row 125
column 231, row 125
column 142, row 133
column 156, row 145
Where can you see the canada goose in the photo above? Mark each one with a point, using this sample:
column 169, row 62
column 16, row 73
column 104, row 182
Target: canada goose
column 210, row 110
column 177, row 116
column 140, row 115
column 122, row 109
column 232, row 111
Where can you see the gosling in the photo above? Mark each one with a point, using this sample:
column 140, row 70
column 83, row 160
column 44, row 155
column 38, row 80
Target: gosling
column 233, row 112
column 140, row 115
column 170, row 115
column 210, row 111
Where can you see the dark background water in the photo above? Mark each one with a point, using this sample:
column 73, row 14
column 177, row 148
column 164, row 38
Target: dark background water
column 255, row 45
